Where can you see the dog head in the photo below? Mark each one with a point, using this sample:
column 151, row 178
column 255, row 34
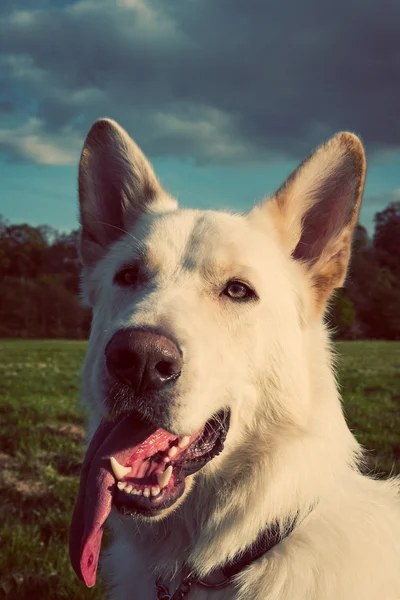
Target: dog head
column 199, row 321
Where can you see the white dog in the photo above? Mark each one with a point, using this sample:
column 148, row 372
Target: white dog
column 219, row 453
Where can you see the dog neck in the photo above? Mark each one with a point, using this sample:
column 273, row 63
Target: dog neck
column 266, row 541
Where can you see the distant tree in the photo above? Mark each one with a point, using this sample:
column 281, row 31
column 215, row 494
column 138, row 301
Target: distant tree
column 342, row 315
column 362, row 274
column 387, row 237
column 384, row 314
column 23, row 246
column 361, row 240
column 61, row 259
column 39, row 279
column 4, row 254
column 3, row 225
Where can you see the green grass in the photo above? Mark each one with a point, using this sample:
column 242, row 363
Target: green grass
column 41, row 438
column 369, row 375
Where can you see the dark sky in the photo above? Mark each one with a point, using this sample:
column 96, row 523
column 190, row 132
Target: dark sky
column 221, row 93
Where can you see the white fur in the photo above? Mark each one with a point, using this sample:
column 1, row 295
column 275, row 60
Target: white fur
column 288, row 446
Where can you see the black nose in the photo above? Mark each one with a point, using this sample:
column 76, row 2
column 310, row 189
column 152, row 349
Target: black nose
column 142, row 359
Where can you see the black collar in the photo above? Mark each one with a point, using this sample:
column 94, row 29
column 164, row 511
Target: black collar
column 266, row 541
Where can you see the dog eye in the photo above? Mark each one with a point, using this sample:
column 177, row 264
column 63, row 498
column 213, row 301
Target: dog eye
column 236, row 290
column 127, row 277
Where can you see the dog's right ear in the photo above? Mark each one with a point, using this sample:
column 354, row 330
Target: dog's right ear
column 116, row 183
column 316, row 210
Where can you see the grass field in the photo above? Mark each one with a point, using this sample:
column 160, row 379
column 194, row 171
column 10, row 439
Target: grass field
column 41, row 435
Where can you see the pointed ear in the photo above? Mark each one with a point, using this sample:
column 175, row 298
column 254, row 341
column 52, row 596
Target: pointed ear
column 316, row 210
column 116, row 184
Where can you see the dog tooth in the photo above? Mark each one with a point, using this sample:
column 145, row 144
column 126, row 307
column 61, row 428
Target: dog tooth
column 155, row 491
column 146, row 493
column 163, row 478
column 166, row 459
column 184, row 441
column 134, row 492
column 172, row 451
column 139, row 492
column 121, row 485
column 128, row 489
column 118, row 470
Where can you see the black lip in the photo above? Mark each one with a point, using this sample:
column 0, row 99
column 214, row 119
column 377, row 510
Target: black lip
column 193, row 465
column 131, row 506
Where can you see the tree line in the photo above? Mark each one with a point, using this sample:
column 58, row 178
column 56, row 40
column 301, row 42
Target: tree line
column 39, row 279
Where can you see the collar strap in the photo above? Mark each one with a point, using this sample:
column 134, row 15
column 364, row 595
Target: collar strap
column 265, row 542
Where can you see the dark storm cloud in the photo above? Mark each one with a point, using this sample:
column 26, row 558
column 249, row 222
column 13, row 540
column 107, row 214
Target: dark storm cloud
column 222, row 81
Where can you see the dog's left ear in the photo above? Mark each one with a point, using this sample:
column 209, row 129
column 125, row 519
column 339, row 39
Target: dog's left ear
column 116, row 184
column 316, row 209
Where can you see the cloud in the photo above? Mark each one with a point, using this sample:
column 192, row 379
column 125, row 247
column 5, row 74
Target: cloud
column 221, row 82
column 31, row 143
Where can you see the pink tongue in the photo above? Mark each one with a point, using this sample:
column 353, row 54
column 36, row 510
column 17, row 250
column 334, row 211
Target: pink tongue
column 97, row 484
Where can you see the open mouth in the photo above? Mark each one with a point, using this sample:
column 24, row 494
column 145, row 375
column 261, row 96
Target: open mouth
column 154, row 477
column 138, row 469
